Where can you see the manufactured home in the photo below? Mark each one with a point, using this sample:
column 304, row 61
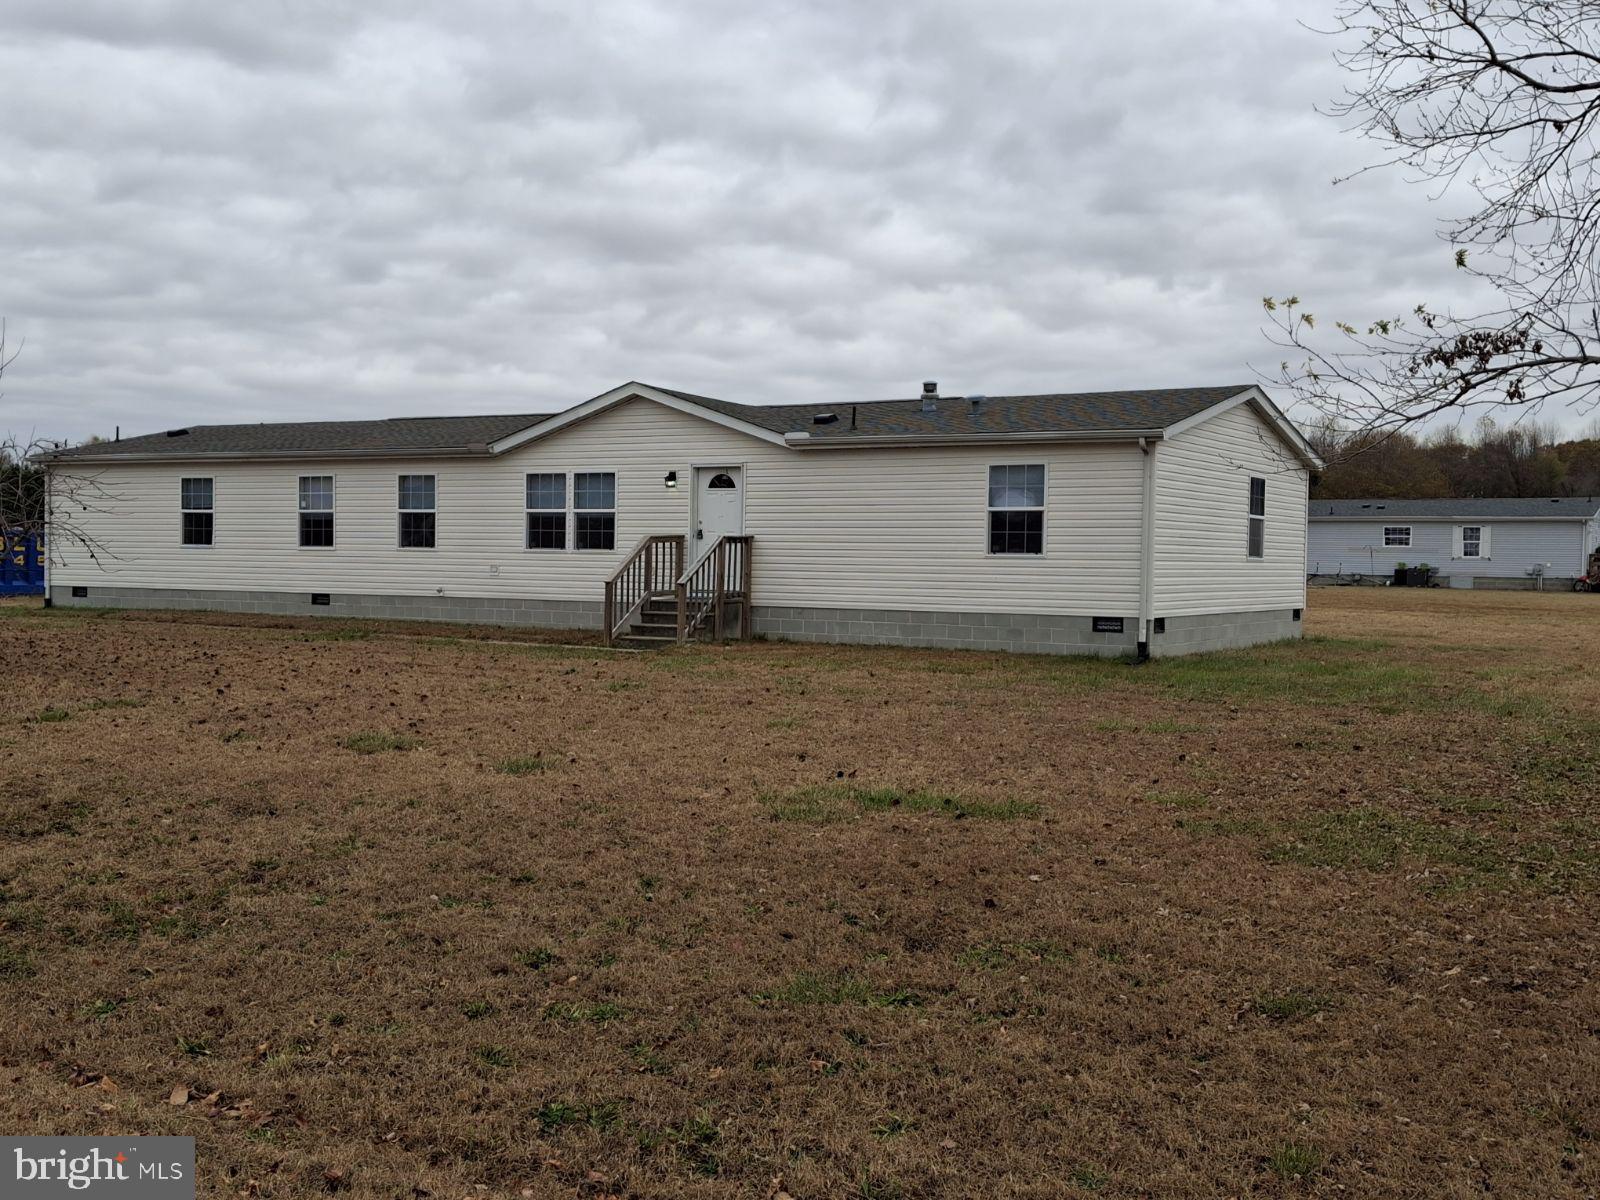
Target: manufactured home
column 1470, row 543
column 1111, row 523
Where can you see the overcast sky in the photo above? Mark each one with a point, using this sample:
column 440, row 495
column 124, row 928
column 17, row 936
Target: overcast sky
column 292, row 209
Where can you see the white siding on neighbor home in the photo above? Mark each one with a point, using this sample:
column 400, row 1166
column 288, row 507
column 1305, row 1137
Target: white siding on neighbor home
column 1355, row 547
column 1202, row 505
column 898, row 529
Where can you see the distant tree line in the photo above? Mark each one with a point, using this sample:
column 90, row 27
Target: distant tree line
column 1525, row 459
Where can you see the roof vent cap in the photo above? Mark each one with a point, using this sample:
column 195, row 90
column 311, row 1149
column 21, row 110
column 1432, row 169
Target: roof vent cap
column 930, row 396
column 824, row 418
column 177, row 433
column 976, row 400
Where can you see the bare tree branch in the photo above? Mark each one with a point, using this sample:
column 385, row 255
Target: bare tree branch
column 1501, row 97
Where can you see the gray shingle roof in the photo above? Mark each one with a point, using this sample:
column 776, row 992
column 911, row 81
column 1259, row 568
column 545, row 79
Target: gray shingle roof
column 1085, row 412
column 1564, row 508
column 1057, row 412
column 400, row 435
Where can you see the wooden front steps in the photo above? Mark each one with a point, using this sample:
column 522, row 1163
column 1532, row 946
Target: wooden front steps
column 652, row 601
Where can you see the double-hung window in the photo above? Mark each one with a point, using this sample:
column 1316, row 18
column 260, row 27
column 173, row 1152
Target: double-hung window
column 1472, row 541
column 594, row 509
column 417, row 512
column 316, row 512
column 547, row 512
column 195, row 501
column 1016, row 509
column 1256, row 531
column 1397, row 535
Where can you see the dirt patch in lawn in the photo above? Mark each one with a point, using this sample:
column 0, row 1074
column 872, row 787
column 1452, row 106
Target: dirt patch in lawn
column 374, row 914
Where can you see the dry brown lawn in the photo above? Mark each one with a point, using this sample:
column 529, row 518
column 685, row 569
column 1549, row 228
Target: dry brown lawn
column 388, row 915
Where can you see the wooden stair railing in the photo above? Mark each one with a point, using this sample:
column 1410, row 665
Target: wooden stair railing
column 719, row 577
column 653, row 569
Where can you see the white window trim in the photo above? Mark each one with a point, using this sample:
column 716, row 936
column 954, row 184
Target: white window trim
column 332, row 511
column 1043, row 510
column 399, row 475
column 184, row 509
column 565, row 510
column 1405, row 545
column 1480, row 555
column 1250, row 518
column 573, row 510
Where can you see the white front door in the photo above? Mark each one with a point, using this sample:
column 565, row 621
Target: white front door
column 719, row 505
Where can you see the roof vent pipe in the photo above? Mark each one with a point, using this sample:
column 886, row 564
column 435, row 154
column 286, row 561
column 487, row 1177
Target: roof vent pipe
column 976, row 401
column 930, row 396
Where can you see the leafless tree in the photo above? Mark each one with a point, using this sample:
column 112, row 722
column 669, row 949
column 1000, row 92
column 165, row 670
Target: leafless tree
column 52, row 504
column 1499, row 97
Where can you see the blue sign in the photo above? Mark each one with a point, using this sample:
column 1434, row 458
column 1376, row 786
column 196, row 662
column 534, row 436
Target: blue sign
column 21, row 564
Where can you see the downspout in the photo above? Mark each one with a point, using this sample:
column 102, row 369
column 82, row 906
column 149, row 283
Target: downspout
column 47, row 531
column 1147, row 551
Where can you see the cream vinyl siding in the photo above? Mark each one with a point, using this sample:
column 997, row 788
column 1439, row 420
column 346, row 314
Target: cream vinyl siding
column 1202, row 506
column 902, row 529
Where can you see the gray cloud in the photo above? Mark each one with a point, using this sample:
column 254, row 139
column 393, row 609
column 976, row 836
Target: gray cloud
column 257, row 212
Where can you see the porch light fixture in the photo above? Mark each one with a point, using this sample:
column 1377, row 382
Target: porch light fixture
column 672, row 479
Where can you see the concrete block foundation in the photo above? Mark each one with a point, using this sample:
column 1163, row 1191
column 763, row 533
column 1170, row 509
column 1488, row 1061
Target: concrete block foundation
column 1020, row 633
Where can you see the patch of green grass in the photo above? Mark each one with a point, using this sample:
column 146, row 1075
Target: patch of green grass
column 694, row 1140
column 118, row 702
column 476, row 1010
column 1226, row 826
column 834, row 802
column 647, row 1059
column 558, row 1115
column 338, row 635
column 1556, row 761
column 1378, row 839
column 377, row 743
column 14, row 963
column 1292, row 1005
column 495, row 1057
column 51, row 715
column 528, row 765
column 1087, row 1178
column 1372, row 838
column 1293, row 1160
column 877, row 1187
column 98, row 1010
column 537, row 958
column 1321, row 672
column 1183, row 800
column 843, row 988
column 1115, row 725
column 893, row 1126
column 194, row 1047
column 1471, row 805
column 599, row 1013
column 123, row 922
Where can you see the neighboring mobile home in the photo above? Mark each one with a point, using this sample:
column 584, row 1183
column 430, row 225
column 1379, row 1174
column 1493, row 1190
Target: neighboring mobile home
column 1102, row 523
column 1490, row 543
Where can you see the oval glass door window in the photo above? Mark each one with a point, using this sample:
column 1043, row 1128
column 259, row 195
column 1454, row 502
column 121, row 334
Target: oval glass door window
column 722, row 481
